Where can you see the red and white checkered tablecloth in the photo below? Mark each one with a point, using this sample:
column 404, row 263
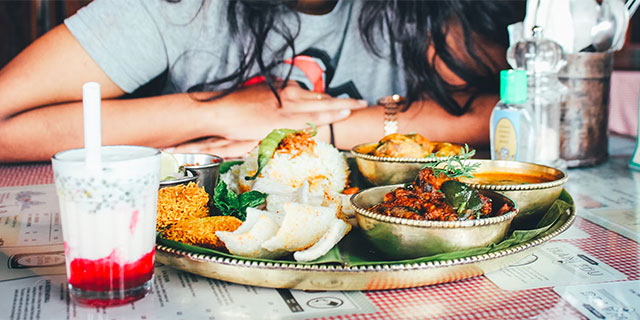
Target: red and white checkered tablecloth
column 475, row 298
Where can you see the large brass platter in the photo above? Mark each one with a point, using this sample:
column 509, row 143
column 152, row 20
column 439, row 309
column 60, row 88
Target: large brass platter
column 332, row 277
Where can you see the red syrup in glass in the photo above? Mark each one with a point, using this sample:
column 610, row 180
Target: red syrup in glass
column 107, row 275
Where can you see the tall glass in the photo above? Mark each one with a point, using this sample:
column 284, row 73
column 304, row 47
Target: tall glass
column 108, row 216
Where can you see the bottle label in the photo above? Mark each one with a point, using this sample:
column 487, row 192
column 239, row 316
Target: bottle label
column 505, row 136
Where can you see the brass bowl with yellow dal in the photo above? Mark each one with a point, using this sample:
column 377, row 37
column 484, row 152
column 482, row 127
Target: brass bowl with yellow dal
column 532, row 186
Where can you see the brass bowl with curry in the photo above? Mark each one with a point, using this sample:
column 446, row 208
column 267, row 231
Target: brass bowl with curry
column 397, row 158
column 532, row 186
column 434, row 214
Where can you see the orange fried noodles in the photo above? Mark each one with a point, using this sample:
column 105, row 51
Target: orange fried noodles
column 181, row 202
column 202, row 231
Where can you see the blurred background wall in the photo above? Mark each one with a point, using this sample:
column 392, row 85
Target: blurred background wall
column 22, row 21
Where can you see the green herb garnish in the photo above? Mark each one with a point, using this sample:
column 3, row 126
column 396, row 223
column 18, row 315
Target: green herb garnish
column 226, row 166
column 270, row 143
column 231, row 204
column 462, row 198
column 454, row 166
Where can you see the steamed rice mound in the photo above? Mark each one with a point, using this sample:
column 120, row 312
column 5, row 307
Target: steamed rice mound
column 318, row 163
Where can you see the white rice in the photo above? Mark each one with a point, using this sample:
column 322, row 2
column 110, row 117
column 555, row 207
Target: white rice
column 325, row 169
column 304, row 191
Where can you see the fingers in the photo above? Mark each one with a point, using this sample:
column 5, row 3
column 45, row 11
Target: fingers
column 300, row 121
column 218, row 146
column 326, row 103
column 253, row 112
column 298, row 100
column 326, row 117
column 234, row 149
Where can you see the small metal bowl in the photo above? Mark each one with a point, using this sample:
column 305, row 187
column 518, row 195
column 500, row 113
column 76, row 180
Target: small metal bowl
column 190, row 176
column 382, row 171
column 400, row 238
column 533, row 199
column 207, row 166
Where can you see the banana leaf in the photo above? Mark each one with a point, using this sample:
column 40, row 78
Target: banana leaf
column 355, row 250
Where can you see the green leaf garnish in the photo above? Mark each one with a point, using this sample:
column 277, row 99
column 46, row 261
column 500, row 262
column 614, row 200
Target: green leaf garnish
column 251, row 199
column 314, row 129
column 462, row 198
column 454, row 166
column 270, row 143
column 268, row 147
column 230, row 204
column 226, row 166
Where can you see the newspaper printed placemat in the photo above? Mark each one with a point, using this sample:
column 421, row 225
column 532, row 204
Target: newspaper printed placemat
column 572, row 233
column 33, row 282
column 617, row 300
column 608, row 196
column 179, row 295
column 29, row 216
column 555, row 263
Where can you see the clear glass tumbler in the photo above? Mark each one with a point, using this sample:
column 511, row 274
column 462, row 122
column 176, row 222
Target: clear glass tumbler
column 108, row 213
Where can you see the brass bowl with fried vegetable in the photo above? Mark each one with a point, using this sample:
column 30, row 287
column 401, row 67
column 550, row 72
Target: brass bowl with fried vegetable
column 382, row 171
column 533, row 187
column 401, row 238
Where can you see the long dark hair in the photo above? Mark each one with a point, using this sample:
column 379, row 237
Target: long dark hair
column 250, row 21
column 413, row 26
column 417, row 25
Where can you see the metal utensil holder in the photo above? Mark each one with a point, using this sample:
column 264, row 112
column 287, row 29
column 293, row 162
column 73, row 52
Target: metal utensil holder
column 584, row 121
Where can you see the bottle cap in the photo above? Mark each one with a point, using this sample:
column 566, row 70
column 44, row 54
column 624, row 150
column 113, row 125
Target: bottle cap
column 536, row 54
column 513, row 86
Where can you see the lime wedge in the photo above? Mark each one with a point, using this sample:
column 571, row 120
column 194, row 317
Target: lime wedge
column 169, row 166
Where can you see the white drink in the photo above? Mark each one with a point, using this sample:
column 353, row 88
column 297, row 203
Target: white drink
column 108, row 222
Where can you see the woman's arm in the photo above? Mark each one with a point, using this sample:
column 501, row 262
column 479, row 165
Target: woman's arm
column 424, row 117
column 41, row 112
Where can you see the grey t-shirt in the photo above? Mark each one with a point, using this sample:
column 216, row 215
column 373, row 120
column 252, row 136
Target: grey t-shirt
column 134, row 41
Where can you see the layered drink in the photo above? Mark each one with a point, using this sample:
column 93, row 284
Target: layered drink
column 108, row 213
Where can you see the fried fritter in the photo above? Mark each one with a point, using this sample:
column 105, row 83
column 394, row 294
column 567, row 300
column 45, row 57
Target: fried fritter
column 400, row 145
column 445, row 149
column 202, row 231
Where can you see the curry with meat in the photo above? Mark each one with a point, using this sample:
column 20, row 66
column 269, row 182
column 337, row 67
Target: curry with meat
column 437, row 198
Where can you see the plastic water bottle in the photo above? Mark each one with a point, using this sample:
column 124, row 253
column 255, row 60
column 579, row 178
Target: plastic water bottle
column 512, row 128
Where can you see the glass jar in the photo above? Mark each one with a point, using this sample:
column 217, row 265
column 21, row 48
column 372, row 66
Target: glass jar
column 542, row 58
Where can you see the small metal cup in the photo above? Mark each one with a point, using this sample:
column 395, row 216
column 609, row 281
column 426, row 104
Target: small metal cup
column 207, row 167
column 189, row 177
column 584, row 121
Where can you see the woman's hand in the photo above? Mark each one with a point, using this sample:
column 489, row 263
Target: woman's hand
column 253, row 112
column 227, row 149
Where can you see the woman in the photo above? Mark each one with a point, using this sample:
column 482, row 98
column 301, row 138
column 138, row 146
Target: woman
column 236, row 70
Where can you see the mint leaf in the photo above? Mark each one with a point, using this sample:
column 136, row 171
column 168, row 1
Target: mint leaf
column 226, row 166
column 248, row 199
column 225, row 199
column 230, row 204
